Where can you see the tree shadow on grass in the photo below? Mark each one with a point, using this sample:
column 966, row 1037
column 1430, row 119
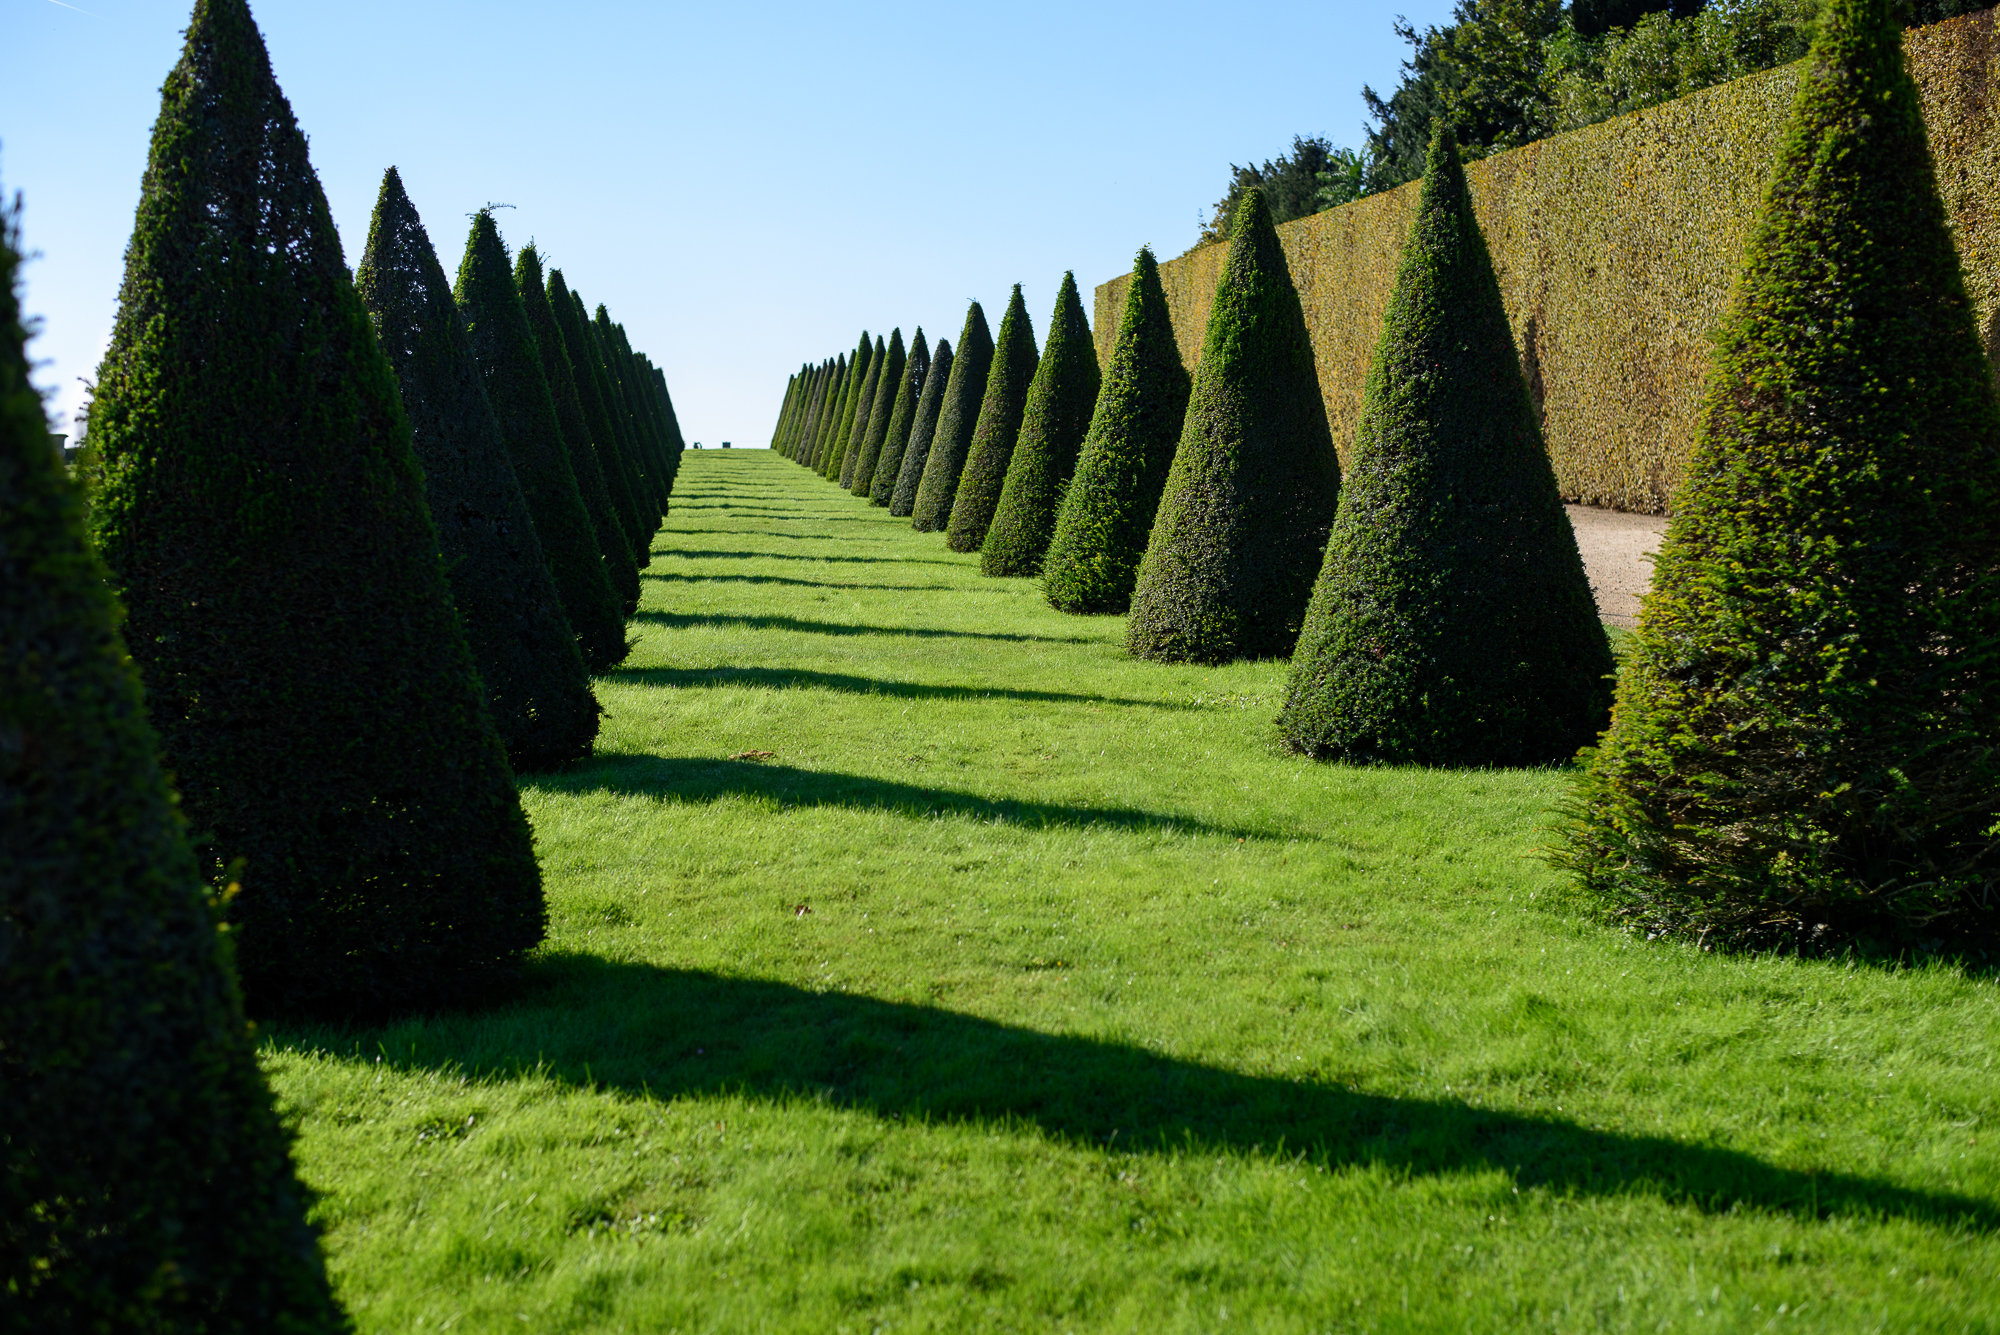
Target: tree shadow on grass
column 685, row 620
column 795, row 583
column 696, row 780
column 798, row 556
column 667, row 1033
column 807, row 679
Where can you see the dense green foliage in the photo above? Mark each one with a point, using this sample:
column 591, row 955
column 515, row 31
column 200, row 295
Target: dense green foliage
column 669, row 419
column 997, row 428
column 535, row 686
column 1061, row 399
column 802, row 427
column 620, row 479
column 260, row 506
column 1243, row 520
column 620, row 567
column 1107, row 513
column 829, row 417
column 584, row 336
column 510, row 366
column 1309, row 178
column 850, row 403
column 1452, row 623
column 1806, row 741
column 923, row 430
column 958, row 414
column 902, row 417
column 890, row 388
column 627, row 406
column 864, row 412
column 146, row 1182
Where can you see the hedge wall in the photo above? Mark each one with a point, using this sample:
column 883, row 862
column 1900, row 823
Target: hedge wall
column 1615, row 246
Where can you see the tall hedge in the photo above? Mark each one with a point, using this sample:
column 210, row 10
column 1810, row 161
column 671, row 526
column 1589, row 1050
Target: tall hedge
column 1106, row 515
column 535, row 685
column 888, row 386
column 138, row 1139
column 1805, row 747
column 958, row 414
column 993, row 435
column 1452, row 623
column 620, row 480
column 1061, row 399
column 923, row 429
column 260, row 506
column 864, row 410
column 510, row 364
column 858, row 387
column 902, row 416
column 1243, row 520
column 620, row 566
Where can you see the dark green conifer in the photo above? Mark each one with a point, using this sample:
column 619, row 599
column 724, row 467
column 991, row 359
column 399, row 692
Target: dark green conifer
column 645, row 442
column 1107, row 513
column 831, row 416
column 535, row 685
column 869, row 434
column 651, row 499
column 619, row 479
column 672, row 420
column 902, row 414
column 1061, row 399
column 146, row 1181
column 803, row 429
column 620, row 566
column 923, row 430
column 785, row 407
column 823, row 392
column 958, row 414
column 1243, row 520
column 999, row 426
column 1452, row 623
column 864, row 360
column 654, row 412
column 1805, row 746
column 511, row 365
column 260, row 506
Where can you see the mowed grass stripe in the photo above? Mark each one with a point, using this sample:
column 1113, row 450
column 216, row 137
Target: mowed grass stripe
column 1025, row 986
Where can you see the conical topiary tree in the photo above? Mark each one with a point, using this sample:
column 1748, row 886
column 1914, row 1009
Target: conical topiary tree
column 994, row 434
column 786, row 406
column 619, row 401
column 511, row 364
column 643, row 432
column 880, row 408
column 620, row 567
column 1805, row 746
column 1244, row 517
column 958, row 414
column 1061, row 399
column 1452, row 623
column 1107, row 513
column 535, row 685
column 809, row 414
column 851, row 405
column 830, row 419
column 923, row 429
column 146, row 1182
column 259, row 503
column 672, row 420
column 619, row 478
column 902, row 416
column 864, row 410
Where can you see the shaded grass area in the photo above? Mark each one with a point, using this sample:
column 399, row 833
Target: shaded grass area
column 1027, row 987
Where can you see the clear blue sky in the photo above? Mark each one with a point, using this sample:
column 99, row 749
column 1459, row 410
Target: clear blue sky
column 746, row 187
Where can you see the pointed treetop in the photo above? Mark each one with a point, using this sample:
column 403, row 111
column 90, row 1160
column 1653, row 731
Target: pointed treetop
column 992, row 449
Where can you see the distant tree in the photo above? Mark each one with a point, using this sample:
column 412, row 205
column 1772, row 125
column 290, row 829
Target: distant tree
column 259, row 503
column 923, row 429
column 999, row 426
column 1291, row 184
column 902, row 418
column 850, row 405
column 146, row 1182
column 1060, row 402
column 620, row 478
column 864, row 409
column 1107, row 513
column 1241, row 525
column 888, row 386
column 535, row 685
column 958, row 413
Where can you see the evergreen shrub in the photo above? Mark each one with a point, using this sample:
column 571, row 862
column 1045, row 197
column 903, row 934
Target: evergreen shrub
column 1107, row 513
column 830, row 418
column 1244, row 517
column 146, row 1181
column 864, row 411
column 998, row 426
column 535, row 685
column 510, row 364
column 618, row 402
column 619, row 477
column 850, row 403
column 958, row 414
column 1805, row 746
column 1061, row 399
column 923, row 429
column 260, row 506
column 1452, row 623
column 903, row 416
column 888, row 388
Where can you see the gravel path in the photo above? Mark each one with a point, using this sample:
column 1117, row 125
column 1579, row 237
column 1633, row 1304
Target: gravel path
column 1618, row 556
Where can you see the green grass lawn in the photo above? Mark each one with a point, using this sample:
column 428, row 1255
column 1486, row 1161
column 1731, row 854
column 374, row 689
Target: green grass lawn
column 1029, row 987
